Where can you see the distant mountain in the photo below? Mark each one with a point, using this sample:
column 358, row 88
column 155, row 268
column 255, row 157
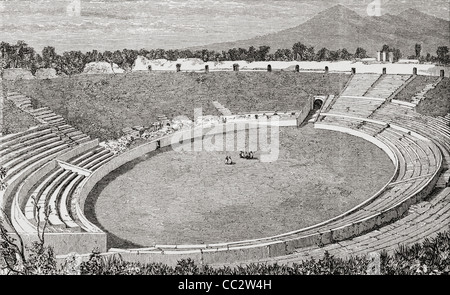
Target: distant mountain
column 340, row 27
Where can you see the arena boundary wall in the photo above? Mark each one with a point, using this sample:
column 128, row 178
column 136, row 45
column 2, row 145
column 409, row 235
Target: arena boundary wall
column 304, row 112
column 283, row 246
column 263, row 248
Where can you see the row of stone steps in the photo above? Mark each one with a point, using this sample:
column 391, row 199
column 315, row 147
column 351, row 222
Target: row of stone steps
column 46, row 116
column 423, row 220
column 444, row 179
column 419, row 96
column 355, row 106
column 360, row 84
column 386, row 86
column 223, row 110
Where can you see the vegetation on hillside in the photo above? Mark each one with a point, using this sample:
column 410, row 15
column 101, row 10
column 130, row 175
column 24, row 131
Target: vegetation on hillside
column 21, row 55
column 15, row 120
column 417, row 85
column 18, row 258
column 102, row 105
column 436, row 102
column 432, row 257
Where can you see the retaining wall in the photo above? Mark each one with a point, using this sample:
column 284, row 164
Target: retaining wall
column 262, row 248
column 265, row 248
column 404, row 103
column 304, row 112
column 69, row 242
column 284, row 245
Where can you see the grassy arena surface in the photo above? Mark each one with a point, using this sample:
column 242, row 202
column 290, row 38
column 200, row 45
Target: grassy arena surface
column 193, row 197
column 102, row 105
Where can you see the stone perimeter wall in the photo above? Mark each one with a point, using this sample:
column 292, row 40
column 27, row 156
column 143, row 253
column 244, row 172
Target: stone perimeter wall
column 69, row 242
column 65, row 243
column 278, row 247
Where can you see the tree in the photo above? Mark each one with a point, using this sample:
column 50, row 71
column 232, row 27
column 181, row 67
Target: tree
column 117, row 58
column 217, row 56
column 5, row 49
column 173, row 55
column 74, row 62
column 385, row 48
column 143, row 52
column 298, row 50
column 397, row 54
column 159, row 54
column 186, row 54
column 334, row 55
column 442, row 54
column 323, row 54
column 12, row 254
column 251, row 54
column 418, row 49
column 107, row 56
column 198, row 54
column 360, row 53
column 129, row 57
column 24, row 55
column 242, row 53
column 93, row 56
column 19, row 55
column 233, row 54
column 38, row 61
column 310, row 54
column 41, row 259
column 283, row 55
column 12, row 55
column 59, row 64
column 345, row 55
column 49, row 56
column 262, row 53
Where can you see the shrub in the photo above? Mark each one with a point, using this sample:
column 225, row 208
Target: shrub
column 41, row 260
column 432, row 257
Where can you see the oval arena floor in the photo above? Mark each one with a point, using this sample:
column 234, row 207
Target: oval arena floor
column 319, row 174
column 251, row 211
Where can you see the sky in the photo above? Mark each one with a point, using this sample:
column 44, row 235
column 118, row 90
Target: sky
column 169, row 24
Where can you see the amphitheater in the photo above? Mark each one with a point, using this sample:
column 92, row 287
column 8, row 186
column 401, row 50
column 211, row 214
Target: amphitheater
column 56, row 166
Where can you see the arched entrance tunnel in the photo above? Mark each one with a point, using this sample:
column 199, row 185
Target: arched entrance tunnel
column 317, row 104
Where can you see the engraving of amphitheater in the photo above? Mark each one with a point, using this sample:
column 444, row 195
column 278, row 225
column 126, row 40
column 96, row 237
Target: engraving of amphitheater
column 133, row 194
column 59, row 165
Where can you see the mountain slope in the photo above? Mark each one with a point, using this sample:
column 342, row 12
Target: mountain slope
column 339, row 27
